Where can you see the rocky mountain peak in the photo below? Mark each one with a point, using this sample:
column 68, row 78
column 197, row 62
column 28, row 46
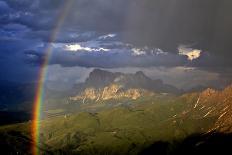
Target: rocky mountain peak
column 100, row 78
column 140, row 73
column 101, row 74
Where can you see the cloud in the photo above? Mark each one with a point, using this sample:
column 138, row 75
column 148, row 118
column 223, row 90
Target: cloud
column 113, row 54
column 4, row 8
column 137, row 51
column 154, row 23
column 107, row 36
column 181, row 77
column 189, row 52
column 78, row 47
column 95, row 54
column 61, row 78
column 34, row 58
column 14, row 27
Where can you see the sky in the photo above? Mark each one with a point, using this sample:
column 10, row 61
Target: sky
column 185, row 43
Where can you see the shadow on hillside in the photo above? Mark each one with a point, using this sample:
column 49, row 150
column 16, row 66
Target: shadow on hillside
column 212, row 144
column 15, row 143
column 10, row 117
column 205, row 144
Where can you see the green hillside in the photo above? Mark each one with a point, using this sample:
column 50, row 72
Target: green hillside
column 117, row 130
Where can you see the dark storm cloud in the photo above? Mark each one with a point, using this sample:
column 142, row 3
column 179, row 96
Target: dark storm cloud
column 115, row 61
column 4, row 8
column 36, row 14
column 20, row 5
column 12, row 64
column 118, row 56
column 165, row 24
column 35, row 5
column 34, row 58
column 213, row 63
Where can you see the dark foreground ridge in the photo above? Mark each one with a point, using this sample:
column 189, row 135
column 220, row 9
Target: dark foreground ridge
column 198, row 144
column 12, row 117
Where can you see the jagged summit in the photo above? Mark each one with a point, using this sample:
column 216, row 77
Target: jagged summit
column 100, row 78
column 100, row 72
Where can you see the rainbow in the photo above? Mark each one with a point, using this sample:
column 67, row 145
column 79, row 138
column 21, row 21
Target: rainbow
column 38, row 101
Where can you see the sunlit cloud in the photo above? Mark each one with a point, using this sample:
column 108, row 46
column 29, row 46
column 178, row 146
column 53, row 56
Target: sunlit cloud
column 137, row 52
column 147, row 51
column 78, row 47
column 189, row 52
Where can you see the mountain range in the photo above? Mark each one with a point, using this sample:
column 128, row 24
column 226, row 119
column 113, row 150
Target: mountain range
column 131, row 129
column 118, row 113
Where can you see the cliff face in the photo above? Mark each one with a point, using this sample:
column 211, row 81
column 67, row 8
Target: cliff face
column 112, row 91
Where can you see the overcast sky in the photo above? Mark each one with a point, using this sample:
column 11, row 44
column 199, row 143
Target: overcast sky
column 183, row 42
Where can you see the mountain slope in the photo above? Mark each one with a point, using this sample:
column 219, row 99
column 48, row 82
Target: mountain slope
column 212, row 103
column 132, row 128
